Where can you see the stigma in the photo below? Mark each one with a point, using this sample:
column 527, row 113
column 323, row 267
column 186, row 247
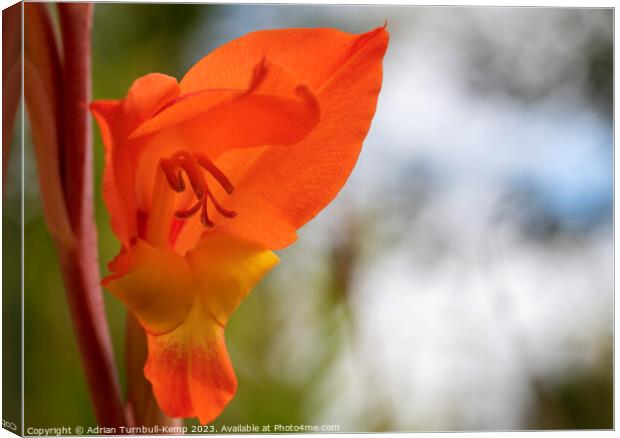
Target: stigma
column 193, row 166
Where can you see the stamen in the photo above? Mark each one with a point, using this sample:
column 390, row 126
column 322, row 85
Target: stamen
column 204, row 216
column 175, row 181
column 183, row 161
column 184, row 214
column 208, row 165
column 218, row 206
column 195, row 177
column 181, row 180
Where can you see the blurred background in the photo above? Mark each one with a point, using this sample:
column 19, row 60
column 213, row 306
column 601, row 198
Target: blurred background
column 462, row 280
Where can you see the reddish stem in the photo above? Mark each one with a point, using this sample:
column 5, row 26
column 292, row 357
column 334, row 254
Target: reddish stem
column 91, row 329
column 79, row 265
column 11, row 77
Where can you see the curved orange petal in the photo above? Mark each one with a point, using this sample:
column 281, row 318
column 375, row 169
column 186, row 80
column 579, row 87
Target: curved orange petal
column 116, row 120
column 184, row 303
column 109, row 116
column 313, row 56
column 284, row 188
column 149, row 94
column 190, row 370
column 254, row 114
column 215, row 121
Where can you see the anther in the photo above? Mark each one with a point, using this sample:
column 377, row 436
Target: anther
column 204, row 216
column 175, row 180
column 181, row 181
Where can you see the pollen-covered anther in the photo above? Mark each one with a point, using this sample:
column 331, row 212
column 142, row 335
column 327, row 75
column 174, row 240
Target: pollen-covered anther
column 192, row 164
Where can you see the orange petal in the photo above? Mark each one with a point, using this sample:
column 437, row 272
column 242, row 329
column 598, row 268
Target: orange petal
column 117, row 181
column 313, row 56
column 146, row 96
column 116, row 120
column 149, row 94
column 284, row 188
column 271, row 108
column 190, row 370
column 184, row 304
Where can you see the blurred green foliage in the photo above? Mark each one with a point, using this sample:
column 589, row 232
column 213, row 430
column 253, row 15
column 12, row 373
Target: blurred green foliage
column 585, row 401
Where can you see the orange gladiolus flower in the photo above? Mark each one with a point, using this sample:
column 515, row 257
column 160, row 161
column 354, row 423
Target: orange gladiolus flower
column 204, row 178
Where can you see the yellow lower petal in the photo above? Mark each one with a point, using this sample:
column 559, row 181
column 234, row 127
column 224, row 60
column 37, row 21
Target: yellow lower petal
column 226, row 269
column 184, row 304
column 157, row 287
